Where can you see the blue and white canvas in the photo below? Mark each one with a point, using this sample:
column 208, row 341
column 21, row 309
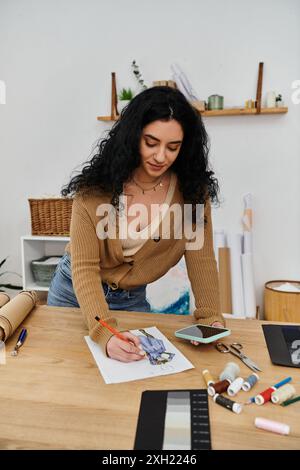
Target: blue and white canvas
column 171, row 293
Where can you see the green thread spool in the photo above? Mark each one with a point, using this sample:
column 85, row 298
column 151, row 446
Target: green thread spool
column 215, row 102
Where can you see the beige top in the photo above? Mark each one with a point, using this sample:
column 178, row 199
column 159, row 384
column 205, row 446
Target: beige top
column 95, row 259
column 130, row 244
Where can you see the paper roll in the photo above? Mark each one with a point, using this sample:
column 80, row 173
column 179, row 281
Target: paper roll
column 15, row 311
column 219, row 242
column 248, row 245
column 225, row 280
column 237, row 294
column 4, row 298
column 248, row 285
column 247, row 216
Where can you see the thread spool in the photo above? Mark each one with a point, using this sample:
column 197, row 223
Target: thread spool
column 227, row 403
column 208, row 377
column 264, row 396
column 230, row 372
column 272, row 426
column 235, row 386
column 218, row 387
column 250, row 382
column 282, row 394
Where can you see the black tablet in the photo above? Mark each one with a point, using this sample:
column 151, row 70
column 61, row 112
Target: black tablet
column 283, row 342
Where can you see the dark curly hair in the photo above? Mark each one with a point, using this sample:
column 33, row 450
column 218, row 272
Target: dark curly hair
column 118, row 155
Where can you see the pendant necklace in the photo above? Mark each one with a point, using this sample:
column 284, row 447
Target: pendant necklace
column 148, row 189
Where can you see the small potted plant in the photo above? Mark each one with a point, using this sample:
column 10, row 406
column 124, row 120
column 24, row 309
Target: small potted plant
column 279, row 101
column 7, row 285
column 125, row 95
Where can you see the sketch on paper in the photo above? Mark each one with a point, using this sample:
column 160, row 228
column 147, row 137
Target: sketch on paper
column 155, row 349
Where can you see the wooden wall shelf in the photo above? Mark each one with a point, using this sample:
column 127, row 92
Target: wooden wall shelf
column 236, row 111
column 243, row 111
column 223, row 112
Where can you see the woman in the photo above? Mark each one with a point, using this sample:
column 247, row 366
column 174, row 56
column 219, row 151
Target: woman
column 156, row 156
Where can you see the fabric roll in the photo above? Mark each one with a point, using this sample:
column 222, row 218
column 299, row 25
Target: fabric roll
column 225, row 280
column 4, row 298
column 235, row 245
column 15, row 311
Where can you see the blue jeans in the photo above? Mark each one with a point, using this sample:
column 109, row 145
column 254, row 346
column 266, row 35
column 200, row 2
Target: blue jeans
column 61, row 292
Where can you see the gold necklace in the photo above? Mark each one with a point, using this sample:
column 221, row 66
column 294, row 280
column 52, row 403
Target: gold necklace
column 148, row 189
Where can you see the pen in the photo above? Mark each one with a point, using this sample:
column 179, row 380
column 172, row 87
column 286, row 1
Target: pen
column 289, row 402
column 283, row 382
column 112, row 330
column 279, row 384
column 20, row 342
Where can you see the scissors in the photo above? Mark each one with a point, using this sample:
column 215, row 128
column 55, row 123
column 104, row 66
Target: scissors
column 236, row 350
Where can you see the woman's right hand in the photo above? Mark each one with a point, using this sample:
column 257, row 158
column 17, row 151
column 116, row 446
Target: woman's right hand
column 125, row 352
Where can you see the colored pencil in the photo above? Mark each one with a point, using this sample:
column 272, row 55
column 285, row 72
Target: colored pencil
column 112, row 330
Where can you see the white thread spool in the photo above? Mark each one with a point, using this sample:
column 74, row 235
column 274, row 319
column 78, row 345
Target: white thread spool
column 235, row 387
column 272, row 426
column 283, row 393
column 230, row 372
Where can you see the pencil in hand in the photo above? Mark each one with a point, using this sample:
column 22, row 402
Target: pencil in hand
column 112, row 330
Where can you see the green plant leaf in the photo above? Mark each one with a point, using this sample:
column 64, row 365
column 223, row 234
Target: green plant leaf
column 3, row 261
column 125, row 94
column 11, row 286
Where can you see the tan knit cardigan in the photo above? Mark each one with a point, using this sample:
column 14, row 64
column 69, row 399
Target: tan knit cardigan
column 94, row 260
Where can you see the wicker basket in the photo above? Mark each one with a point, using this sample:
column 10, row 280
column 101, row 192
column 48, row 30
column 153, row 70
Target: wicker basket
column 51, row 216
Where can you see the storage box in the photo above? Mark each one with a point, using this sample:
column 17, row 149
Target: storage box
column 43, row 269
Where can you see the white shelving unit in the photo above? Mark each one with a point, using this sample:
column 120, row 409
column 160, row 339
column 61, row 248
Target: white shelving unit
column 34, row 247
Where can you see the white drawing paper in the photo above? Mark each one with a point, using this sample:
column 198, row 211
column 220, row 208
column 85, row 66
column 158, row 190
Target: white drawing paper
column 114, row 371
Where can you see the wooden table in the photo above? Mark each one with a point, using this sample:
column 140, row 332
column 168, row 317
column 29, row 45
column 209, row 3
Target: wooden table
column 52, row 395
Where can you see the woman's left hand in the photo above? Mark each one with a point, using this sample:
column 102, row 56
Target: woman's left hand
column 216, row 324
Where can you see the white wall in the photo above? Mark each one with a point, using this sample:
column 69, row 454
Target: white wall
column 56, row 58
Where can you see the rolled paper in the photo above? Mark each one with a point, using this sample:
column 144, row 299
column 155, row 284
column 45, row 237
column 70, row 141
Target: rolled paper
column 272, row 426
column 15, row 311
column 247, row 220
column 247, row 216
column 219, row 242
column 248, row 285
column 248, row 243
column 4, row 298
column 237, row 293
column 225, row 280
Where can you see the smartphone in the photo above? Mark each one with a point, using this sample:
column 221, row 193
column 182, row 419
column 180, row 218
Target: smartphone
column 202, row 333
